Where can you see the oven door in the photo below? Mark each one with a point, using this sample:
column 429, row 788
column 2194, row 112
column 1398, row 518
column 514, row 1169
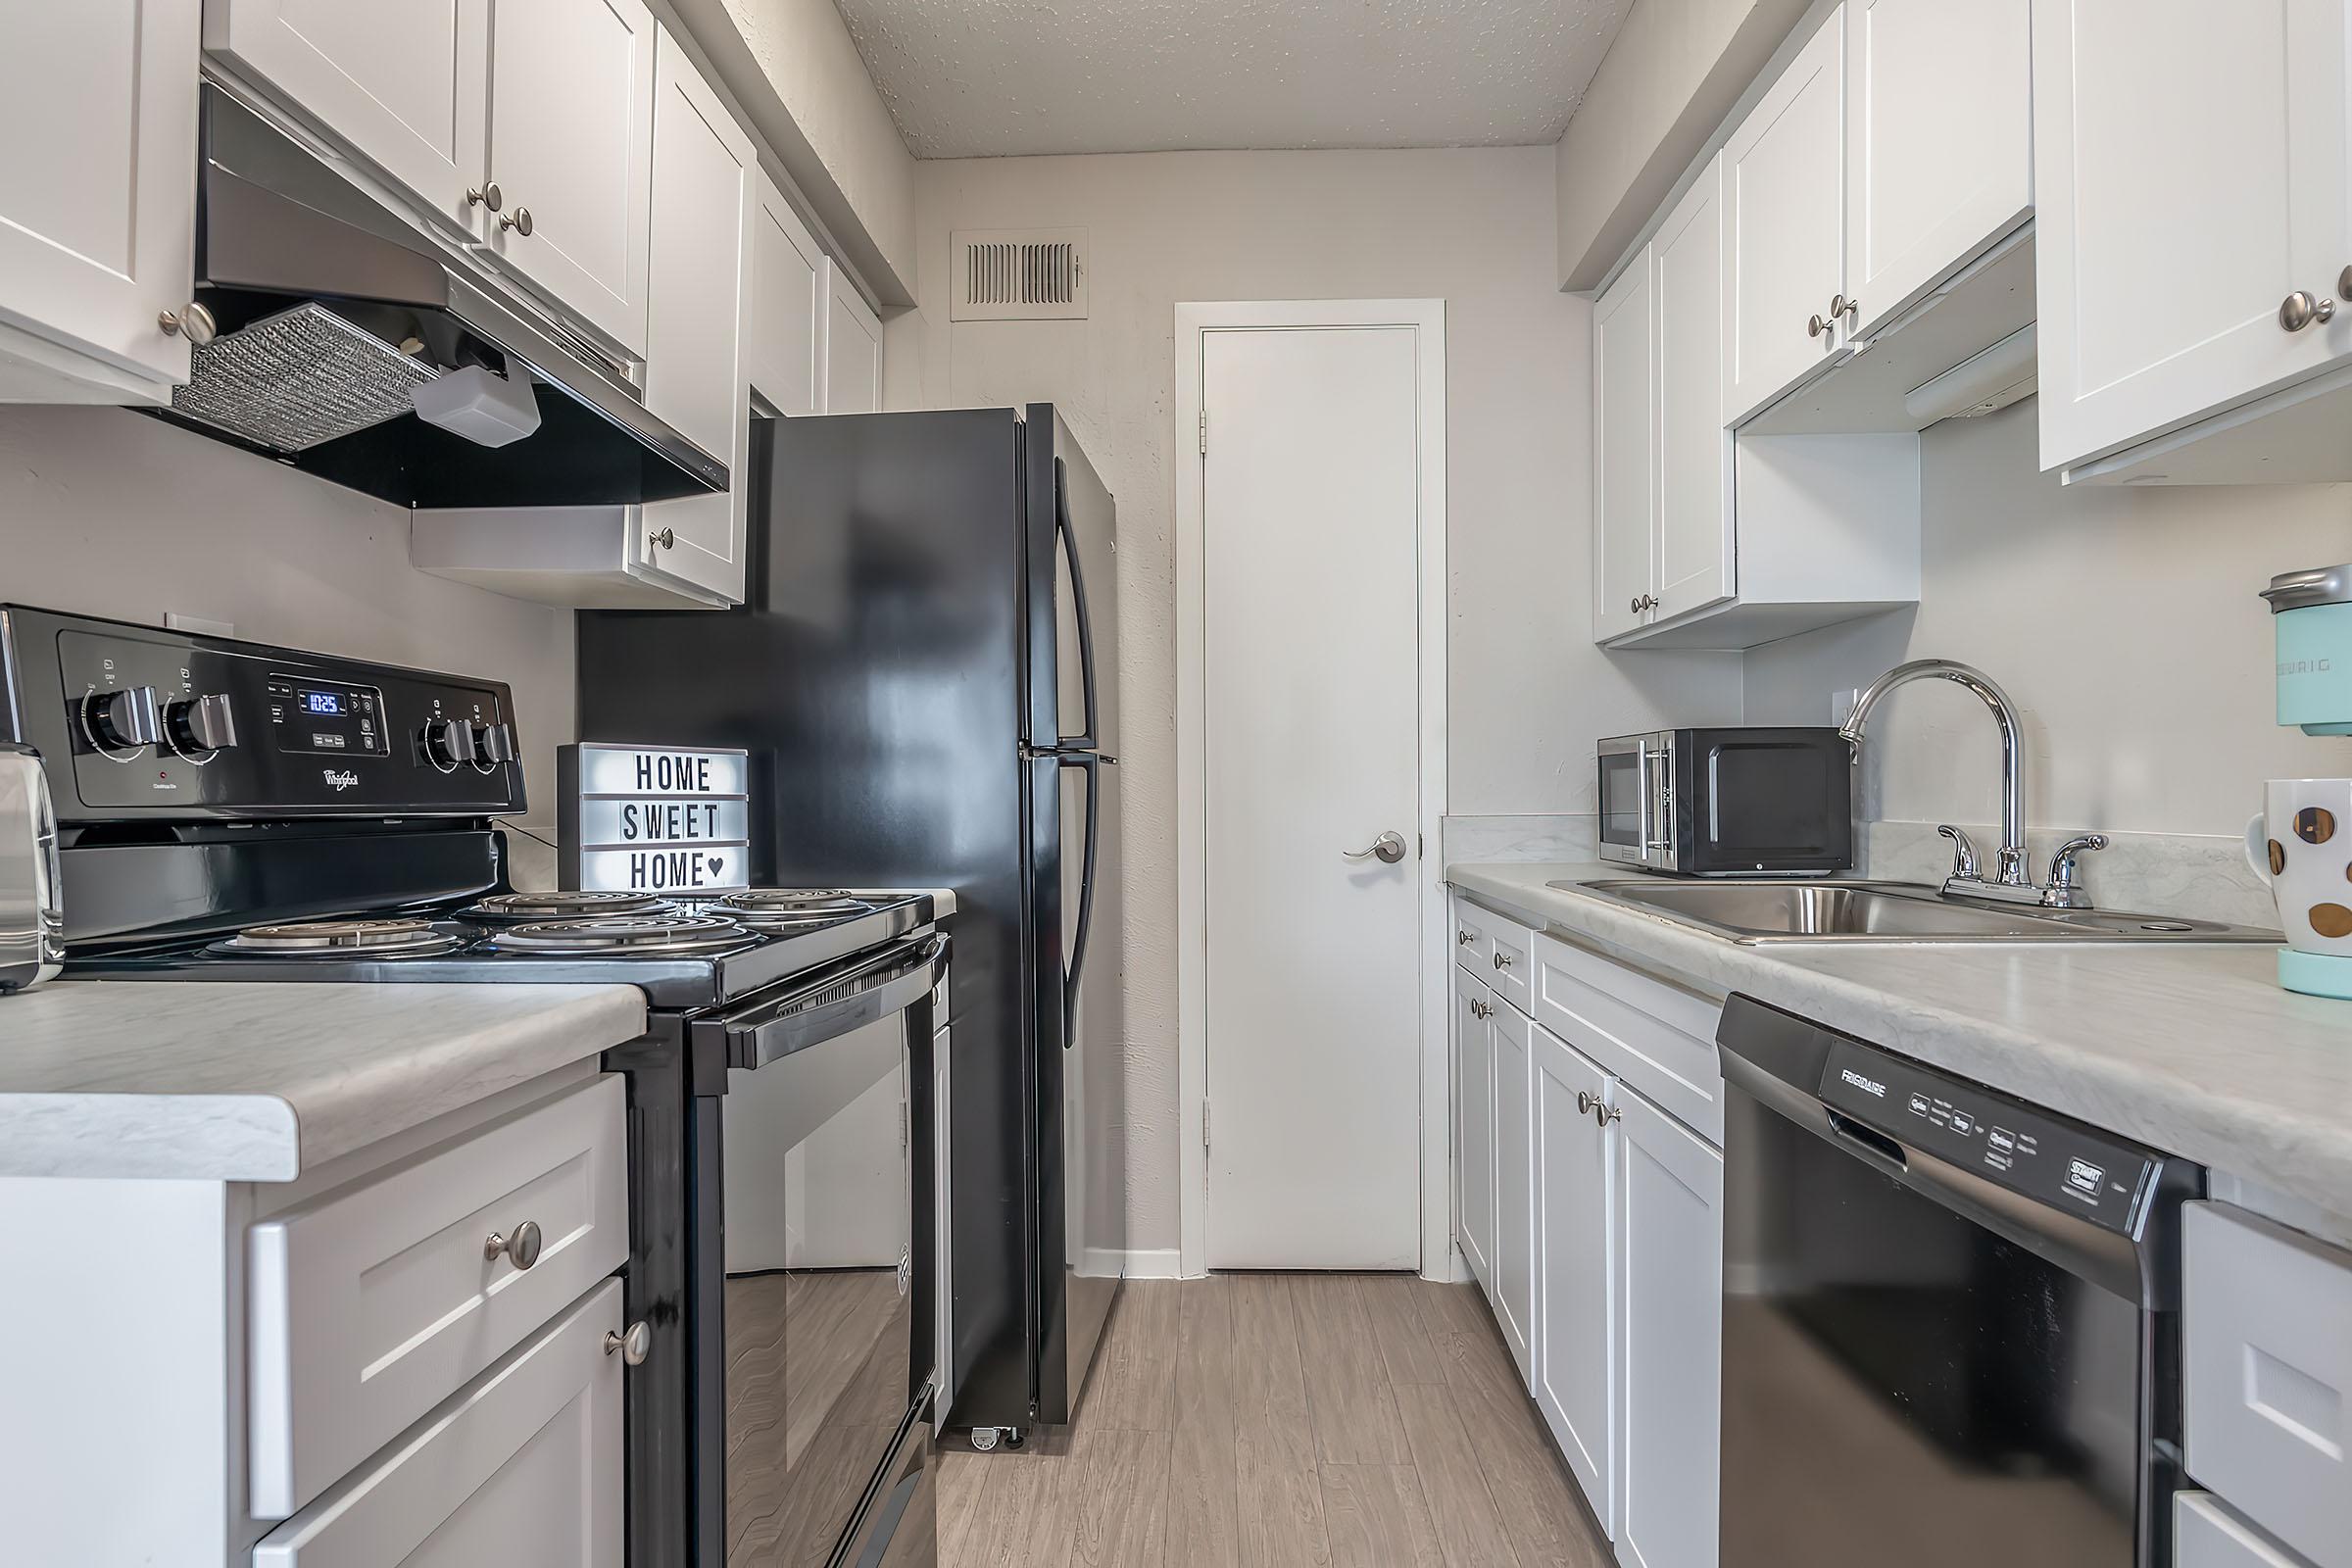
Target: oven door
column 815, row 1324
column 1635, row 825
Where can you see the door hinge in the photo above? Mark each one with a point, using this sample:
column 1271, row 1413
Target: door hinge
column 1204, row 1124
column 1204, row 432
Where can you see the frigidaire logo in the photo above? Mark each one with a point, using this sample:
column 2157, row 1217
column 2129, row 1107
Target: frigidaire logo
column 340, row 778
column 1862, row 1083
column 2305, row 667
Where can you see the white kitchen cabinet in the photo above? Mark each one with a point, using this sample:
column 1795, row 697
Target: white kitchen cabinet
column 1669, row 1351
column 403, row 83
column 1514, row 1294
column 1474, row 1128
column 2207, row 1535
column 1938, row 146
column 698, row 375
column 1784, row 195
column 1624, row 450
column 571, row 145
column 1693, row 528
column 523, row 1467
column 1575, row 1380
column 97, row 200
column 852, row 347
column 2190, row 174
column 787, row 311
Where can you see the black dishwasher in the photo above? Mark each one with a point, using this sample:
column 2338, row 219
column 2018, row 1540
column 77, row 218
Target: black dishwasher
column 1950, row 1319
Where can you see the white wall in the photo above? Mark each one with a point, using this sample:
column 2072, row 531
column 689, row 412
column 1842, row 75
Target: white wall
column 110, row 513
column 2122, row 622
column 1528, row 690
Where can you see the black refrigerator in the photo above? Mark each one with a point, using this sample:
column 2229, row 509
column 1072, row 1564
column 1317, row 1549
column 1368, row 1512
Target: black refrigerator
column 925, row 673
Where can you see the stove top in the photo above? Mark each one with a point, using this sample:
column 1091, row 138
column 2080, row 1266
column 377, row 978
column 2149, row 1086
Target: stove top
column 682, row 952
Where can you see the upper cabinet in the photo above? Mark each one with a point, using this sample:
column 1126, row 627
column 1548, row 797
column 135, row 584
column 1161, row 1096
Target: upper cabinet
column 527, row 128
column 1625, row 449
column 97, row 201
column 852, row 348
column 1785, row 203
column 2195, row 265
column 785, row 325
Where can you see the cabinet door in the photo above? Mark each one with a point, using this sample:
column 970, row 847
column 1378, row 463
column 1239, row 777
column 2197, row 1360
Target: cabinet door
column 1939, row 141
column 403, row 83
column 788, row 306
column 1695, row 554
column 696, row 375
column 1514, row 1256
column 1474, row 1130
column 1576, row 1255
column 852, row 348
column 2189, row 172
column 1670, row 1336
column 572, row 143
column 98, row 193
column 1625, row 449
column 1784, row 198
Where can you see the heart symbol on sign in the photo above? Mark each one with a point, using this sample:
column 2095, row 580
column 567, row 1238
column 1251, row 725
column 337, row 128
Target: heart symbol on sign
column 718, row 863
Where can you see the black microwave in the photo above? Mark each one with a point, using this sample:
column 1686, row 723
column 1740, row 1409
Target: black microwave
column 1761, row 801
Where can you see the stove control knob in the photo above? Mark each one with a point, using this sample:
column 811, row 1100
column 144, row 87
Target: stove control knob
column 450, row 741
column 124, row 719
column 497, row 744
column 200, row 723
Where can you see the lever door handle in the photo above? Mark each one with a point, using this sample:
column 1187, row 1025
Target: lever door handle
column 1388, row 849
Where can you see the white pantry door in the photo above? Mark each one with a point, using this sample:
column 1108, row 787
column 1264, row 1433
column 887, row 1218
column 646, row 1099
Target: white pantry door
column 1310, row 490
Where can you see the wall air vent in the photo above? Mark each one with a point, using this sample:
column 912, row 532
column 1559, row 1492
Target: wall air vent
column 1020, row 275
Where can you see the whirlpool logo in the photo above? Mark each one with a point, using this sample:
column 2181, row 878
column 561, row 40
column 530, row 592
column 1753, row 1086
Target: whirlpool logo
column 340, row 778
column 1867, row 1086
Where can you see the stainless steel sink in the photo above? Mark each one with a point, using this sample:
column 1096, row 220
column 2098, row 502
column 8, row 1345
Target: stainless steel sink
column 1761, row 912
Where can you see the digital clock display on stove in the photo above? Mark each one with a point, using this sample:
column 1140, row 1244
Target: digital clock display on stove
column 321, row 719
column 327, row 703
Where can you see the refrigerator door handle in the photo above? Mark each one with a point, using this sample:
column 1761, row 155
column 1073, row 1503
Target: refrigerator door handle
column 1086, row 629
column 1092, row 762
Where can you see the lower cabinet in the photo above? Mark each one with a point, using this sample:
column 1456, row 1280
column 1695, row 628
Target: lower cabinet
column 1576, row 1247
column 1474, row 1128
column 1668, row 1202
column 1514, row 1294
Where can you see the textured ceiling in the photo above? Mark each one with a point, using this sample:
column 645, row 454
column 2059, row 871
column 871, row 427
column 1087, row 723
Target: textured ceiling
column 1001, row 77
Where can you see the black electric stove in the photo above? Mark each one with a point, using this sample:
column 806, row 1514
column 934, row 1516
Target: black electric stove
column 230, row 810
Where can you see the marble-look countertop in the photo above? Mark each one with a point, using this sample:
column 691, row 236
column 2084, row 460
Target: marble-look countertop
column 2191, row 1048
column 259, row 1082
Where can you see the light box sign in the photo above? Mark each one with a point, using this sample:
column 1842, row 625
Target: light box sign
column 655, row 818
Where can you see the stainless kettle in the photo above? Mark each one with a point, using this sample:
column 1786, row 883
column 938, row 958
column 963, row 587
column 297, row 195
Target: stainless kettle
column 32, row 916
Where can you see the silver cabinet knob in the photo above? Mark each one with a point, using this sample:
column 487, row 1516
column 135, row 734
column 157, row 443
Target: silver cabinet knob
column 2344, row 283
column 519, row 220
column 1602, row 1114
column 633, row 1343
column 1842, row 306
column 1464, row 937
column 1584, row 1102
column 667, row 539
column 521, row 1248
column 1388, row 849
column 191, row 319
column 2300, row 308
column 1816, row 326
column 1502, row 961
column 1478, row 1009
column 489, row 195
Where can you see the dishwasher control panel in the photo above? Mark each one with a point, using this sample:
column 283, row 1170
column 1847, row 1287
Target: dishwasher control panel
column 2037, row 1153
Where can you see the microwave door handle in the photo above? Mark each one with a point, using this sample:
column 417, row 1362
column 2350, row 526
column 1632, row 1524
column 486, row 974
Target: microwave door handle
column 1656, row 809
column 835, row 1002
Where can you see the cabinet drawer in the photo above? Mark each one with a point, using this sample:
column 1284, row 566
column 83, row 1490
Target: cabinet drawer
column 2207, row 1535
column 371, row 1304
column 2267, row 1323
column 1500, row 952
column 523, row 1467
column 1656, row 1037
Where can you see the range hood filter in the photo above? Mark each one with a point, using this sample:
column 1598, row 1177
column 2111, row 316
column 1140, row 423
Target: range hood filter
column 298, row 379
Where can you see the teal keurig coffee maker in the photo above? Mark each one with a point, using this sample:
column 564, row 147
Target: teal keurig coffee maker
column 2303, row 841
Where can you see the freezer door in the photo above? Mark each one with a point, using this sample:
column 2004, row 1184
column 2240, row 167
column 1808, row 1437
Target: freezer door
column 1072, row 592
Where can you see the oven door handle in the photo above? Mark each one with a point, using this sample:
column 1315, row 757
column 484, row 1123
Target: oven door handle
column 833, row 1001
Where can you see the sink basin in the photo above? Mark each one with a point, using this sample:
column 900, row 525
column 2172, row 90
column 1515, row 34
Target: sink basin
column 1759, row 911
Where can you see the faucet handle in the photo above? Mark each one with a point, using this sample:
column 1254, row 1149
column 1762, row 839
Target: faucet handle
column 2062, row 864
column 1964, row 853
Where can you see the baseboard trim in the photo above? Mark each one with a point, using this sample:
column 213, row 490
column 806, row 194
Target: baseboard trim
column 1136, row 1263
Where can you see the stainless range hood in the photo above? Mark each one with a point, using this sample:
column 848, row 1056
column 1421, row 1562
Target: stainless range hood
column 329, row 308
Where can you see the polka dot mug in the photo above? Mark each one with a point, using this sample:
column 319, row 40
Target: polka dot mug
column 2302, row 845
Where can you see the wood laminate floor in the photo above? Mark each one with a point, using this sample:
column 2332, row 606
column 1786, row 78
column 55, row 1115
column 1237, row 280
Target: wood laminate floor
column 1282, row 1421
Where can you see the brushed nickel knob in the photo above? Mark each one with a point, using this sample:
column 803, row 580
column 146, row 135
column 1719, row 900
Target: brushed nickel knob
column 1583, row 1102
column 2300, row 308
column 1842, row 306
column 519, row 220
column 1502, row 961
column 1815, row 327
column 2344, row 283
column 1464, row 937
column 521, row 1248
column 1602, row 1114
column 192, row 320
column 633, row 1343
column 667, row 538
column 488, row 195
